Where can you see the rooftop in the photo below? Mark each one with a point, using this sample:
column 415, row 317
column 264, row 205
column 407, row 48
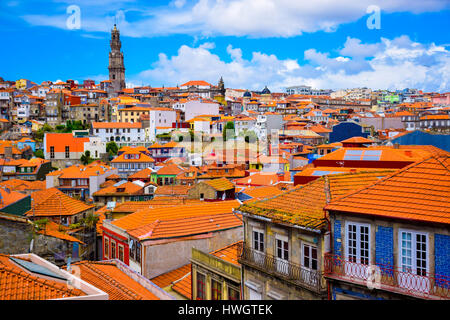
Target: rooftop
column 417, row 192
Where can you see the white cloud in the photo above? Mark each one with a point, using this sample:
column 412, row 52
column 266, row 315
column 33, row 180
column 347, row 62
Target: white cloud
column 393, row 63
column 254, row 18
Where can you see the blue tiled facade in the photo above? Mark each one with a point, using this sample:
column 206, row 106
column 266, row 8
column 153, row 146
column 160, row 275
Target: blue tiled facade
column 384, row 247
column 442, row 259
column 337, row 238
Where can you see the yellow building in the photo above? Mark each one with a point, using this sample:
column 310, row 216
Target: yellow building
column 132, row 114
column 21, row 84
column 216, row 275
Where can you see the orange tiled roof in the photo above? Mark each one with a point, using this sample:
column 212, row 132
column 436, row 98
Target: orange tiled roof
column 261, row 192
column 79, row 171
column 142, row 174
column 170, row 169
column 52, row 202
column 196, row 83
column 181, row 226
column 142, row 157
column 229, row 253
column 168, row 212
column 220, row 184
column 59, row 231
column 134, row 206
column 357, row 140
column 304, row 205
column 9, row 197
column 129, row 188
column 262, row 179
column 16, row 284
column 106, row 276
column 168, row 278
column 184, row 286
column 172, row 190
column 417, row 192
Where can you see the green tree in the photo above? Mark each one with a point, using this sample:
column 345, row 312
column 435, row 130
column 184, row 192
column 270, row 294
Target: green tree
column 90, row 221
column 86, row 158
column 228, row 127
column 112, row 148
column 39, row 134
column 250, row 137
column 39, row 153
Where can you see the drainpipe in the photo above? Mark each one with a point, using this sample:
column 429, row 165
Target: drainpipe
column 331, row 249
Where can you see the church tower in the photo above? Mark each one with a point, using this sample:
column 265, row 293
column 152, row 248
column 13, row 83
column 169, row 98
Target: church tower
column 116, row 67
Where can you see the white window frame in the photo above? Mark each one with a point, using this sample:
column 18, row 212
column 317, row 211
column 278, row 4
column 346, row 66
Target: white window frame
column 259, row 231
column 306, row 244
column 414, row 257
column 358, row 241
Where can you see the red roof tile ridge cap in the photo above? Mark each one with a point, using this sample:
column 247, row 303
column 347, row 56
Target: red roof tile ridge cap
column 395, row 173
column 112, row 281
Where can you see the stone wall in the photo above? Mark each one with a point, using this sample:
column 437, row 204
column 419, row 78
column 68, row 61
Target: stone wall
column 15, row 238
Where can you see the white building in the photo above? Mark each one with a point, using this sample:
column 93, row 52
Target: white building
column 243, row 124
column 267, row 122
column 119, row 131
column 197, row 107
column 159, row 117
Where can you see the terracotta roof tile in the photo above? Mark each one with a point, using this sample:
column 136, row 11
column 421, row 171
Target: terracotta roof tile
column 167, row 278
column 16, row 284
column 184, row 286
column 304, row 205
column 145, row 217
column 107, row 277
column 127, row 188
column 220, row 184
column 173, row 190
column 417, row 192
column 229, row 253
column 52, row 202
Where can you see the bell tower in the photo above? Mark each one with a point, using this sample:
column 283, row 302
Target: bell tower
column 116, row 66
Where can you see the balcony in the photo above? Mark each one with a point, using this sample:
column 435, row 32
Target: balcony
column 288, row 271
column 387, row 278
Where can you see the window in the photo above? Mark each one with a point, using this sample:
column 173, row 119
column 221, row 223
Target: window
column 106, row 248
column 282, row 254
column 67, row 150
column 201, row 280
column 413, row 252
column 233, row 294
column 282, row 248
column 121, row 258
column 113, row 249
column 258, row 240
column 358, row 243
column 216, row 290
column 309, row 257
column 52, row 152
column 138, row 252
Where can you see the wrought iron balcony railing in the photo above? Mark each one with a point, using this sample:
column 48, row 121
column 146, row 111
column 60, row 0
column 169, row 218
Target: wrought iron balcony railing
column 286, row 270
column 388, row 278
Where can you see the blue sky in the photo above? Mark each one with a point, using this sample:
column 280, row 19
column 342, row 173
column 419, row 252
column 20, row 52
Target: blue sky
column 251, row 43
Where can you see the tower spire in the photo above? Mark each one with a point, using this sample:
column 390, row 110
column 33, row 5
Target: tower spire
column 116, row 65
